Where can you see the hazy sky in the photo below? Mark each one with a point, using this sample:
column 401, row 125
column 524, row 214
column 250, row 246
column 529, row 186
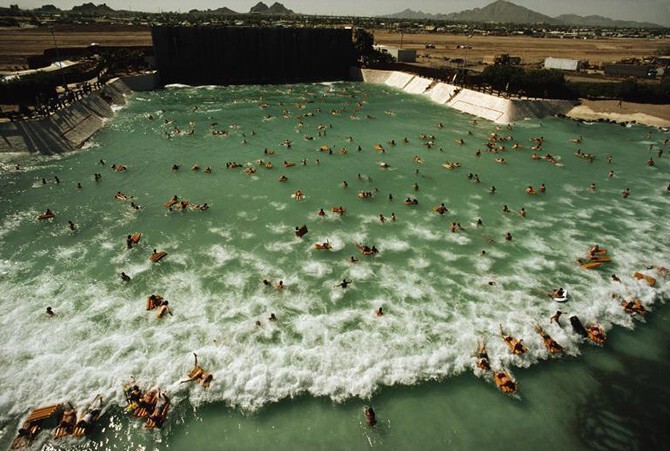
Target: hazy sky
column 655, row 11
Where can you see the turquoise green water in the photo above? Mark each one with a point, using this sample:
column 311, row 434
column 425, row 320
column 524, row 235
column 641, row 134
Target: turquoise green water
column 303, row 380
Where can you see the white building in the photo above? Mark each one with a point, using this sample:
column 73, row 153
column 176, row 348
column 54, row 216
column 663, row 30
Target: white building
column 563, row 64
column 400, row 55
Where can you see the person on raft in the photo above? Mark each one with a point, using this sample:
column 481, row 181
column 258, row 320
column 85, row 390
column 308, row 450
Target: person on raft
column 199, row 375
column 157, row 414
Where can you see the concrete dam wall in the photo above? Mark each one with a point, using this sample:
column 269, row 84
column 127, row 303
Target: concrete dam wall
column 235, row 55
column 487, row 106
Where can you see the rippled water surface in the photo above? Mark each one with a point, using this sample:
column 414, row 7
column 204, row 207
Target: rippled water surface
column 300, row 381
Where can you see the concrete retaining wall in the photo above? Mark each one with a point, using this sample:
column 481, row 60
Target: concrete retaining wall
column 486, row 106
column 418, row 85
column 69, row 128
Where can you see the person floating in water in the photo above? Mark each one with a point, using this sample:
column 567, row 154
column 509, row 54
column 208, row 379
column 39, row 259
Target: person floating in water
column 370, row 416
column 344, row 284
column 50, row 313
column 197, row 374
column 163, row 309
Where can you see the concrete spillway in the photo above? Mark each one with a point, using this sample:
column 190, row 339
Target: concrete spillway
column 68, row 128
column 497, row 109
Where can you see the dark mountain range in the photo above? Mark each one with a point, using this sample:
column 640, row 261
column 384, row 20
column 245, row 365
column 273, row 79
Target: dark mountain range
column 224, row 11
column 260, row 8
column 47, row 9
column 90, row 8
column 276, row 8
column 502, row 11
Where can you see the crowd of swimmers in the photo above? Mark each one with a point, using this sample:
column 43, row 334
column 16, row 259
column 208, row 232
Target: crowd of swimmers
column 155, row 403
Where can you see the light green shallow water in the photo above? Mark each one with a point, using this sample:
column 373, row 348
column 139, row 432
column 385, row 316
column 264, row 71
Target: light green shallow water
column 328, row 344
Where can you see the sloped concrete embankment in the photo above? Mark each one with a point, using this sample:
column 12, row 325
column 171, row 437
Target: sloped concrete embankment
column 70, row 127
column 486, row 106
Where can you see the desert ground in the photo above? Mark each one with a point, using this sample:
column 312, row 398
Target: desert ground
column 531, row 50
column 18, row 43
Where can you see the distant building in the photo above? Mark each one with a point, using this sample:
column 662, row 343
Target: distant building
column 400, row 55
column 631, row 70
column 563, row 64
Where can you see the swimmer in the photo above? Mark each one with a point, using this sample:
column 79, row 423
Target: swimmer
column 78, row 185
column 610, row 174
column 522, row 212
column 592, row 187
column 382, row 218
column 415, row 186
column 153, row 301
column 158, row 414
column 353, row 259
column 280, row 286
column 441, row 209
column 615, row 278
column 50, row 313
column 321, row 212
column 344, row 284
column 625, row 193
column 379, row 312
column 492, row 190
column 370, row 416
column 480, row 222
column 129, row 242
column 197, row 374
column 392, row 217
column 125, row 277
column 505, row 209
column 543, row 188
column 272, row 317
column 344, row 184
column 68, row 419
column 267, row 283
column 508, row 236
column 283, row 178
column 650, row 162
column 556, row 317
column 72, row 225
column 163, row 309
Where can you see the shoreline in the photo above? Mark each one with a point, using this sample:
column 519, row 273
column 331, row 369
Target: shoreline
column 609, row 110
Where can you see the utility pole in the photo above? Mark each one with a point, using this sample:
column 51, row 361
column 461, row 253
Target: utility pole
column 60, row 64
